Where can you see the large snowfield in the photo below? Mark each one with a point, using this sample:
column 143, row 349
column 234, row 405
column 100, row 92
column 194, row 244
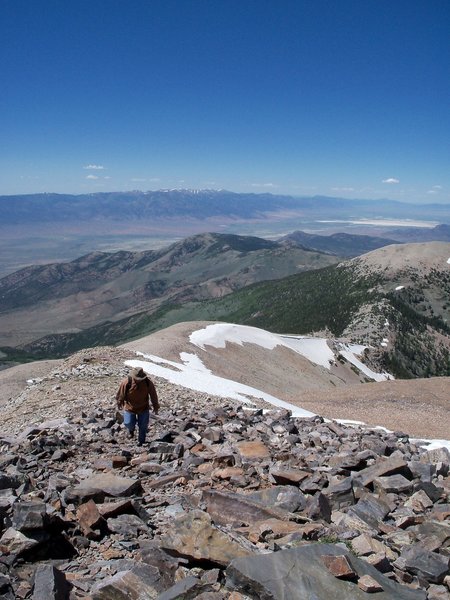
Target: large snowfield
column 191, row 373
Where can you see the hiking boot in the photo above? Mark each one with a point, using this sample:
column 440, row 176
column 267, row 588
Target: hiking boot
column 131, row 433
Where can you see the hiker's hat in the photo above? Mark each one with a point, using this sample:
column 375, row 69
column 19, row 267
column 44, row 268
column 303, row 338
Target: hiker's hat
column 138, row 374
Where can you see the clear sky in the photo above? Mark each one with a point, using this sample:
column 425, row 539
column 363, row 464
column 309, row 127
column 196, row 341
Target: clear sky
column 337, row 97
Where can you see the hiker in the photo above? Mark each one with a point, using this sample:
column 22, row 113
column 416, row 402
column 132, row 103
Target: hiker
column 132, row 398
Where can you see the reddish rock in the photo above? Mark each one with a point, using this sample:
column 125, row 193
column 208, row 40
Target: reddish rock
column 89, row 517
column 255, row 449
column 339, row 566
column 368, row 584
column 288, row 476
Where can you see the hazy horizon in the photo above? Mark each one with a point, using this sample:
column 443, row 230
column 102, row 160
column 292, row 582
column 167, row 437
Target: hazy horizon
column 427, row 201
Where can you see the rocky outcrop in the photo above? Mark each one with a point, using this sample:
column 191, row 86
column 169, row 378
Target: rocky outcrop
column 223, row 502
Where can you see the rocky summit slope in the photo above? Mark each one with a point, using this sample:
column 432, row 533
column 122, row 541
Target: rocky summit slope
column 223, row 502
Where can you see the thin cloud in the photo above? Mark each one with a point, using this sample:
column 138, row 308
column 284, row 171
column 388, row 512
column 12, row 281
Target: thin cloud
column 138, row 179
column 264, row 185
column 432, row 192
column 391, row 180
column 94, row 167
column 437, row 187
column 91, row 177
column 343, row 189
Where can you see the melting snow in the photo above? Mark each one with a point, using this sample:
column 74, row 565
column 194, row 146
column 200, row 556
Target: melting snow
column 194, row 362
column 351, row 351
column 399, row 287
column 433, row 444
column 195, row 376
column 448, row 261
column 314, row 349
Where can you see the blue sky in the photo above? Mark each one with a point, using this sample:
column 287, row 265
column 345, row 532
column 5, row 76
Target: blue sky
column 339, row 97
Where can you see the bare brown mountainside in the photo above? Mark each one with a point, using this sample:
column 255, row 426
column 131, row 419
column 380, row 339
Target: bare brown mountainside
column 69, row 297
column 399, row 259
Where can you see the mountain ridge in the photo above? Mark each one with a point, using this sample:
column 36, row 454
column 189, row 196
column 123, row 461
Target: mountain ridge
column 101, row 286
column 135, row 205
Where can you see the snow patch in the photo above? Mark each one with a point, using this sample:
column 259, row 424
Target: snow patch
column 217, row 335
column 399, row 287
column 351, row 353
column 433, row 444
column 194, row 362
column 316, row 350
column 194, row 375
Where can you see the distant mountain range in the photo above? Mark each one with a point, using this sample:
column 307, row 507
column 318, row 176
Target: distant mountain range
column 46, row 228
column 340, row 244
column 197, row 204
column 350, row 245
column 440, row 233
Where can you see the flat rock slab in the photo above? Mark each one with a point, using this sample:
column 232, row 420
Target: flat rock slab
column 255, row 449
column 186, row 588
column 15, row 542
column 396, row 484
column 29, row 515
column 431, row 566
column 236, row 509
column 385, row 466
column 289, row 476
column 285, row 497
column 300, row 573
column 101, row 485
column 339, row 566
column 139, row 583
column 194, row 536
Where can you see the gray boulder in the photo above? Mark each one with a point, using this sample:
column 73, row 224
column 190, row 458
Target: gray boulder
column 300, row 574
